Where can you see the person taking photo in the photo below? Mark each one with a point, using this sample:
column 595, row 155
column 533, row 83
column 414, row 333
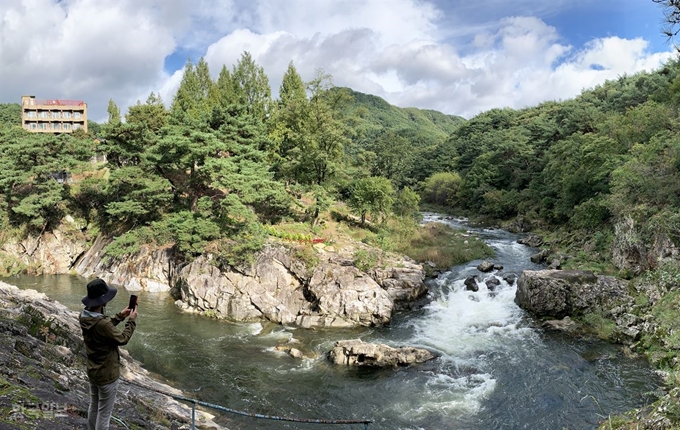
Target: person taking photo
column 102, row 339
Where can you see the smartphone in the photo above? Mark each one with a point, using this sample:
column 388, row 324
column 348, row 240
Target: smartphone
column 133, row 302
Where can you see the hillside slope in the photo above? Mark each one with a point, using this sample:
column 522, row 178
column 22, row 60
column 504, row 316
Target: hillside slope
column 421, row 126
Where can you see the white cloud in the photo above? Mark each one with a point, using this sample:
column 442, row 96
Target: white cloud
column 82, row 49
column 401, row 50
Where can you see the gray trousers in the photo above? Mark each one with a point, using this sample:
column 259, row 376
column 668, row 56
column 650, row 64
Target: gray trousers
column 102, row 398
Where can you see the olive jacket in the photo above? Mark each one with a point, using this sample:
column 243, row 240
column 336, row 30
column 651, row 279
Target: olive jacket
column 102, row 339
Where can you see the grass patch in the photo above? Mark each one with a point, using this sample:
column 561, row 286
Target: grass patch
column 437, row 243
column 662, row 347
column 15, row 393
column 599, row 326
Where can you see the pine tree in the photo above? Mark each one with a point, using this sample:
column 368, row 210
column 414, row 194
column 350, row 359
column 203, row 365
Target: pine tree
column 114, row 112
column 251, row 87
column 225, row 88
column 186, row 104
column 207, row 89
column 287, row 127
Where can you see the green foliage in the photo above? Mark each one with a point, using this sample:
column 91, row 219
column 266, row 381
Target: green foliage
column 436, row 243
column 442, row 188
column 372, row 195
column 600, row 326
column 407, row 203
column 322, row 202
column 34, row 172
column 126, row 244
column 665, row 277
column 10, row 115
column 114, row 113
column 191, row 232
column 663, row 344
column 366, row 260
column 310, row 136
column 251, row 87
column 309, row 256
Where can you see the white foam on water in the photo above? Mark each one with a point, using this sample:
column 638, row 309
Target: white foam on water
column 448, row 395
column 465, row 327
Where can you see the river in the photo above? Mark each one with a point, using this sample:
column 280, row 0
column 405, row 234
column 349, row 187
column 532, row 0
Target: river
column 497, row 369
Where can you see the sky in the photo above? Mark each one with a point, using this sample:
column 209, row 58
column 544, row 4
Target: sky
column 459, row 57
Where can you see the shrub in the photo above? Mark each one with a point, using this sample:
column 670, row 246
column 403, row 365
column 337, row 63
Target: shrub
column 366, row 260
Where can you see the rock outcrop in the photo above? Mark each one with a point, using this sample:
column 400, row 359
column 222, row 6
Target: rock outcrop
column 532, row 240
column 358, row 353
column 151, row 269
column 42, row 362
column 51, row 252
column 332, row 293
column 560, row 293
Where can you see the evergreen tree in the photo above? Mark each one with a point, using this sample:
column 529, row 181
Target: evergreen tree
column 251, row 87
column 186, row 105
column 114, row 113
column 208, row 92
column 292, row 90
column 288, row 122
column 34, row 174
column 225, row 88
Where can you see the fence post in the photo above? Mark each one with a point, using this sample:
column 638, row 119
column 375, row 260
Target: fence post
column 193, row 415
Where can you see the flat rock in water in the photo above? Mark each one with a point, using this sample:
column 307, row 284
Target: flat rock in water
column 358, row 353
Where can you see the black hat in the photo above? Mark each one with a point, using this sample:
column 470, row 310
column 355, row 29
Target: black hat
column 98, row 293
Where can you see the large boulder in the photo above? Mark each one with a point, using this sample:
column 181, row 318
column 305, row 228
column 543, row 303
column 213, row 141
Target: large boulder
column 532, row 240
column 403, row 279
column 331, row 293
column 560, row 293
column 358, row 353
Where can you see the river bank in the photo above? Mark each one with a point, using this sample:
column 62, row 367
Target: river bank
column 43, row 383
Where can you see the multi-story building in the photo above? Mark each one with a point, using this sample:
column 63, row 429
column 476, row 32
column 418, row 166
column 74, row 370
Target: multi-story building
column 53, row 116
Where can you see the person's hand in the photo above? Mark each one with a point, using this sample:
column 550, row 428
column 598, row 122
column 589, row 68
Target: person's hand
column 133, row 314
column 125, row 312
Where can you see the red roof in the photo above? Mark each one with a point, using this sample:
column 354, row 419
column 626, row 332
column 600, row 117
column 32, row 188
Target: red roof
column 57, row 102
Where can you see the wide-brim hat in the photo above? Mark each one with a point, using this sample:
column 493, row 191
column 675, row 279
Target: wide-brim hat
column 98, row 293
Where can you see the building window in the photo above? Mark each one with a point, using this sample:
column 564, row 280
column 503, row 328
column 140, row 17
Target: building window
column 77, row 115
column 67, row 114
column 33, row 126
column 31, row 113
column 41, row 126
column 56, row 126
column 42, row 114
column 67, row 126
column 55, row 114
column 76, row 126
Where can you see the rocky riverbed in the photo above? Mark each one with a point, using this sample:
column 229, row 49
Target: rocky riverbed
column 43, row 383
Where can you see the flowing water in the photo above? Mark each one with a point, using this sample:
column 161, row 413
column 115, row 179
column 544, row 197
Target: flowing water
column 496, row 370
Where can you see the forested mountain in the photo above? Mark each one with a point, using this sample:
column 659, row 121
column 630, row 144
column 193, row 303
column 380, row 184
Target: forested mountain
column 421, row 126
column 602, row 162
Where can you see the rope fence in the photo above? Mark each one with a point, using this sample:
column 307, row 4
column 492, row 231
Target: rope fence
column 195, row 402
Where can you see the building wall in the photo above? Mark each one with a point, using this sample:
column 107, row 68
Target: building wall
column 53, row 116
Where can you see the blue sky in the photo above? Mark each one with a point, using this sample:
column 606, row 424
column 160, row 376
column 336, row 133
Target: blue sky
column 458, row 57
